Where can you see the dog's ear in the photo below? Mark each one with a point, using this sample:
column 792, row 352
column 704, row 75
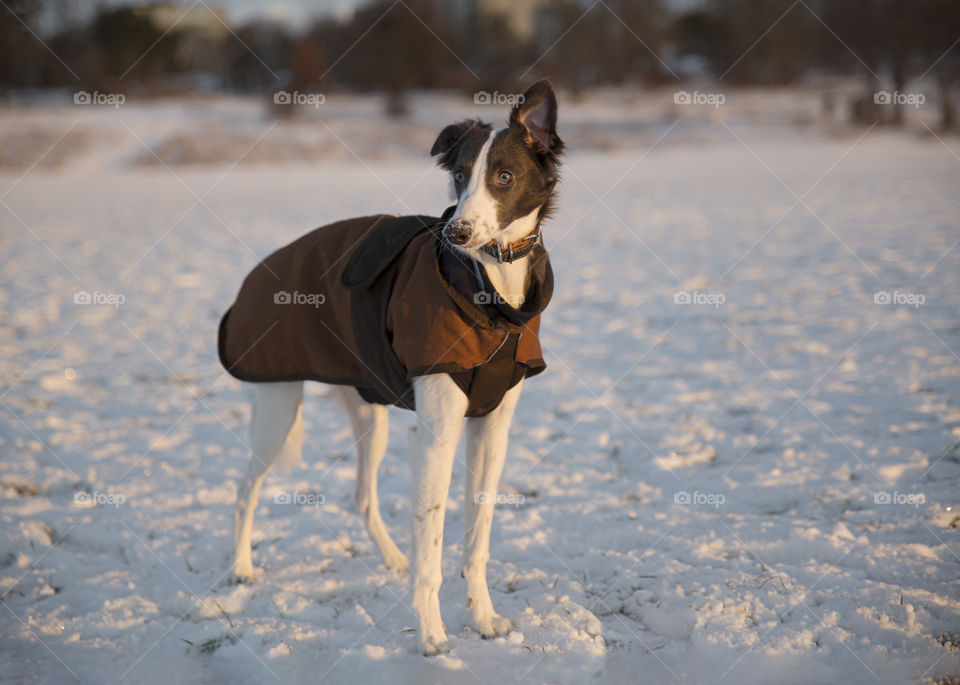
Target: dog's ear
column 537, row 114
column 451, row 138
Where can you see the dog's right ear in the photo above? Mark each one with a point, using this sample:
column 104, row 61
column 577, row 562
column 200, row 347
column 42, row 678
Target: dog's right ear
column 537, row 114
column 451, row 138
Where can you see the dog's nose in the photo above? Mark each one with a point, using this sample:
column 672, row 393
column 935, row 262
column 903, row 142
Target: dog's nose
column 458, row 231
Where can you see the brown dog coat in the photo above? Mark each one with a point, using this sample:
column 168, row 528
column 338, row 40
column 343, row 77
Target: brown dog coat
column 373, row 302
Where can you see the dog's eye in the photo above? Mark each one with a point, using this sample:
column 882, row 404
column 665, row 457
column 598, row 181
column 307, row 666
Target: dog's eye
column 504, row 178
column 459, row 176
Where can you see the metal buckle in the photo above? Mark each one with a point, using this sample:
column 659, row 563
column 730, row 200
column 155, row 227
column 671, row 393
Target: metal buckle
column 537, row 237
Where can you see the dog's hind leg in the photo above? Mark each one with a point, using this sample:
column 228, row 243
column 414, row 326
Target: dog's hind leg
column 486, row 453
column 370, row 428
column 276, row 430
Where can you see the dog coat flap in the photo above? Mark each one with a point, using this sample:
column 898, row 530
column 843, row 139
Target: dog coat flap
column 382, row 245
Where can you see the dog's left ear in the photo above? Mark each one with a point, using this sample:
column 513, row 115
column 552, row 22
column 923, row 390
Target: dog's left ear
column 537, row 114
column 451, row 138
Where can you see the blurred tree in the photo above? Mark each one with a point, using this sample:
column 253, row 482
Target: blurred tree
column 565, row 43
column 130, row 45
column 939, row 47
column 877, row 36
column 391, row 47
column 634, row 34
column 771, row 42
column 395, row 47
column 260, row 47
column 307, row 68
column 902, row 39
column 695, row 32
column 20, row 59
column 616, row 42
column 307, row 65
column 494, row 52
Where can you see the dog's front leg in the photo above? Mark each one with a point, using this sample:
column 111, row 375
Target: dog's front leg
column 486, row 453
column 441, row 406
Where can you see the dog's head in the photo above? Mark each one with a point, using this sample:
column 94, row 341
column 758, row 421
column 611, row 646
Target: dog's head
column 504, row 179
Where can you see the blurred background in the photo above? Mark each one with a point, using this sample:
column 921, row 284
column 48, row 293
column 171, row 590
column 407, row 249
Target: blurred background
column 239, row 46
column 857, row 62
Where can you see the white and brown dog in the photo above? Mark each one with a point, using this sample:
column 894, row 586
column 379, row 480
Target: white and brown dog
column 505, row 182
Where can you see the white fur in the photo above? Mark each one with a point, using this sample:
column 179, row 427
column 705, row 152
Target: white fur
column 275, row 429
column 276, row 433
column 476, row 203
column 486, row 453
column 370, row 424
column 441, row 406
column 511, row 280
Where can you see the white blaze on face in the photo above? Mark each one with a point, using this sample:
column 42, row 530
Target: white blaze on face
column 476, row 203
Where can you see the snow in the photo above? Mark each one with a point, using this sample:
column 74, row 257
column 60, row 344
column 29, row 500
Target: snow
column 759, row 489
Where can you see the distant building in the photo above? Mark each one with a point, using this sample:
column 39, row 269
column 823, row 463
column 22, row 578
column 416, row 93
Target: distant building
column 203, row 18
column 199, row 30
column 520, row 15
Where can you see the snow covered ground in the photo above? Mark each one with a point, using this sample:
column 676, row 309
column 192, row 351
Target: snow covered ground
column 741, row 466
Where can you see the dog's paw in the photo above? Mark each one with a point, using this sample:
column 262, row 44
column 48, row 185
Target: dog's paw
column 243, row 578
column 433, row 637
column 394, row 559
column 397, row 562
column 432, row 646
column 242, row 573
column 492, row 625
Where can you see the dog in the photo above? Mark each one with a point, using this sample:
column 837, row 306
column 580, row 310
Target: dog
column 489, row 245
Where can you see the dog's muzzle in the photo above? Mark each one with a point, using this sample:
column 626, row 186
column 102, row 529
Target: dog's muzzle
column 458, row 231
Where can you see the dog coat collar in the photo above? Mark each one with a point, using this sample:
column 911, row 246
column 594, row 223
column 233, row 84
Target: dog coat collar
column 472, row 290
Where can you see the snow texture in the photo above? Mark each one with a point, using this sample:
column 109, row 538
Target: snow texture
column 741, row 465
